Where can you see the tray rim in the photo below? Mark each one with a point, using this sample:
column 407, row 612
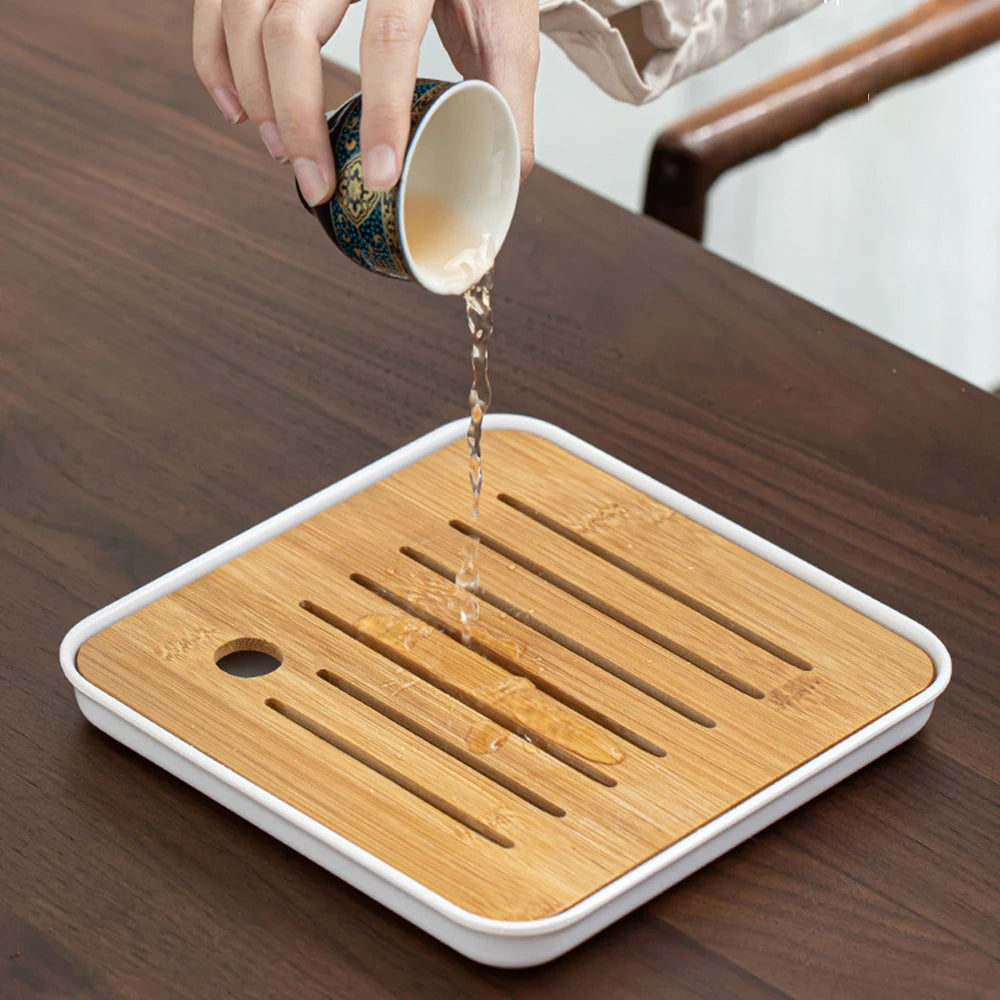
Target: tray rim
column 511, row 943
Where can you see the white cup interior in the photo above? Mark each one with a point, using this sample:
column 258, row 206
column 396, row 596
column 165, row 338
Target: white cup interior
column 459, row 187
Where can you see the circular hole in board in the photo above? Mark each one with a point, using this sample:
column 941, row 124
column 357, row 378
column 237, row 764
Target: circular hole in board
column 248, row 657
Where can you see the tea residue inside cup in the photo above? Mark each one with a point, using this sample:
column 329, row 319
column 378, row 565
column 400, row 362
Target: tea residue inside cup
column 445, row 243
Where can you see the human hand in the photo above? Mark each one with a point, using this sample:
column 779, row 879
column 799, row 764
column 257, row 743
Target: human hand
column 260, row 59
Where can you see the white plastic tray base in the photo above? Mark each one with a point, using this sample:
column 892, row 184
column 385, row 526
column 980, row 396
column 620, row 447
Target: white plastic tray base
column 496, row 942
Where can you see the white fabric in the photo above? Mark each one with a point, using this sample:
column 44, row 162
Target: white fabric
column 687, row 36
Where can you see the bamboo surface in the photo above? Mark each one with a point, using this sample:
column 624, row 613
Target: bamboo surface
column 632, row 675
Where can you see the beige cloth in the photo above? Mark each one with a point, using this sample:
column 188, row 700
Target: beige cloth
column 635, row 49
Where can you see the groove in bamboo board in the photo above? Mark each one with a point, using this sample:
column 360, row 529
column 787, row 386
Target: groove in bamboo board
column 710, row 569
column 631, row 677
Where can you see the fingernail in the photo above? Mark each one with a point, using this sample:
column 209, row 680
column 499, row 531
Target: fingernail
column 269, row 134
column 380, row 168
column 229, row 104
column 312, row 181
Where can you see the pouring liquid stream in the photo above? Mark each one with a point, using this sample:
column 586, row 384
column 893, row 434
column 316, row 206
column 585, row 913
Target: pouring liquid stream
column 480, row 319
column 433, row 231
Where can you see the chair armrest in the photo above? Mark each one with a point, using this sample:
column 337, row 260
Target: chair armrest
column 688, row 157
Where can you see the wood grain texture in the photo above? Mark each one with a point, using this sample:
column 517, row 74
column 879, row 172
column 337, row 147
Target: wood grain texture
column 184, row 353
column 349, row 593
column 691, row 155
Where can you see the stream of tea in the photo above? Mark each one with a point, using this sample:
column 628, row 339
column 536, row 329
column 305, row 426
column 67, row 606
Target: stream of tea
column 433, row 231
column 480, row 319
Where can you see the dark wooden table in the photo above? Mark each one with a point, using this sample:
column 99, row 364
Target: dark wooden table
column 183, row 353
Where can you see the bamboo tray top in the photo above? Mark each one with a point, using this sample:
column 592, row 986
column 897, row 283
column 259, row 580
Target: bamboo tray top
column 632, row 675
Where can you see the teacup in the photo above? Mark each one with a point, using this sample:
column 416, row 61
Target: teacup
column 446, row 218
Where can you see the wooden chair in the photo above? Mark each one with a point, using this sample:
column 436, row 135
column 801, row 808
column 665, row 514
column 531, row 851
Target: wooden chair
column 690, row 156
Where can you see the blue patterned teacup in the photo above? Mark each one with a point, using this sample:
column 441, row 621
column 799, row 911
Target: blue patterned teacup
column 445, row 220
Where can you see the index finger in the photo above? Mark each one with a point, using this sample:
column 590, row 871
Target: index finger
column 293, row 32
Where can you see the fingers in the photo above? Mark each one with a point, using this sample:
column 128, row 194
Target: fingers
column 513, row 70
column 211, row 59
column 260, row 59
column 497, row 41
column 243, row 21
column 293, row 32
column 390, row 48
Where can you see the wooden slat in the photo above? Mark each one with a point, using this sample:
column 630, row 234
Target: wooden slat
column 707, row 567
column 776, row 735
column 630, row 677
column 723, row 654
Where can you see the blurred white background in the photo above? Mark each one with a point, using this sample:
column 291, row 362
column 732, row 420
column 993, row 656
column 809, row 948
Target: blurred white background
column 888, row 216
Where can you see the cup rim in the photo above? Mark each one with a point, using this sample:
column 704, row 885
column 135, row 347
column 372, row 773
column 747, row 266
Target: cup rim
column 499, row 100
